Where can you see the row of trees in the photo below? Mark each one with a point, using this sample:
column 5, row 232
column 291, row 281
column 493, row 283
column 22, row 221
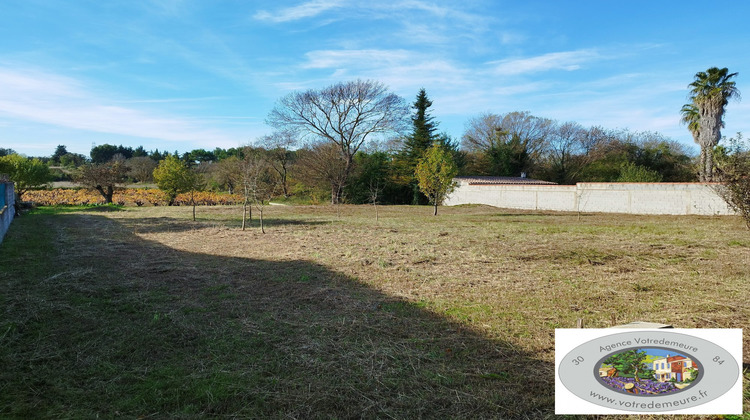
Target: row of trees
column 361, row 143
column 339, row 121
column 249, row 170
column 499, row 145
column 566, row 153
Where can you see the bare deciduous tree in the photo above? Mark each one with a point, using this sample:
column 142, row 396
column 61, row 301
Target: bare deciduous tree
column 344, row 114
column 507, row 144
column 481, row 131
column 141, row 168
column 375, row 192
column 322, row 164
column 279, row 145
column 533, row 131
column 565, row 152
column 259, row 184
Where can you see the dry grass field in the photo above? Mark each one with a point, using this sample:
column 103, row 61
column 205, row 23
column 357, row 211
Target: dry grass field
column 141, row 312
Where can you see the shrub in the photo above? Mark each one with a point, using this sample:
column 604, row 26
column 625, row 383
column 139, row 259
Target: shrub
column 733, row 169
column 630, row 172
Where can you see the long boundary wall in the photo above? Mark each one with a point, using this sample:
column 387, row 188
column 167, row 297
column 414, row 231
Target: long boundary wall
column 597, row 197
column 7, row 207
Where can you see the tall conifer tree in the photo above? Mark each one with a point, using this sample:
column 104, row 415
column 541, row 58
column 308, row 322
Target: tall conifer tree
column 424, row 131
column 421, row 138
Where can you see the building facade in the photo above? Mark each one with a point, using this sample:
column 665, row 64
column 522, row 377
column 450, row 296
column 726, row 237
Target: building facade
column 678, row 368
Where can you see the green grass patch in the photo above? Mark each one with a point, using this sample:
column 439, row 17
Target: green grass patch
column 143, row 313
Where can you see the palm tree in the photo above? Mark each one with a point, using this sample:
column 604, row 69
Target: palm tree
column 691, row 117
column 710, row 93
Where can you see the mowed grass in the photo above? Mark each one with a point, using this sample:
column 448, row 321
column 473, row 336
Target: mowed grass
column 141, row 312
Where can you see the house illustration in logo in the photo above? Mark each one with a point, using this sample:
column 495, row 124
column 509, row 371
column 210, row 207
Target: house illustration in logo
column 673, row 367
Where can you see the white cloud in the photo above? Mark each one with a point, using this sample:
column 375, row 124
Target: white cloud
column 426, row 24
column 525, row 88
column 170, row 100
column 455, row 88
column 64, row 102
column 568, row 61
column 304, row 10
column 420, row 33
column 416, row 5
column 400, row 70
column 327, row 59
column 397, row 9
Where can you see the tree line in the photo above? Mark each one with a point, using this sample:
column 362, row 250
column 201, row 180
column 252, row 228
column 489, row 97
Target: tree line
column 357, row 142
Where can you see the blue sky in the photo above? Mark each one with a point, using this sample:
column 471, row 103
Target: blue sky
column 187, row 74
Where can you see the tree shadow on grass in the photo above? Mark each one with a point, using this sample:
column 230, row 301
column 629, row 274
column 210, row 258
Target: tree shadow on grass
column 172, row 224
column 116, row 325
column 103, row 208
column 278, row 221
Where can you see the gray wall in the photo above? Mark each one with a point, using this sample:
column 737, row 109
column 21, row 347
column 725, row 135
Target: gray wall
column 7, row 200
column 598, row 197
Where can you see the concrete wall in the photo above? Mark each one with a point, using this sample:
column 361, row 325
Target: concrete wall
column 7, row 211
column 597, row 197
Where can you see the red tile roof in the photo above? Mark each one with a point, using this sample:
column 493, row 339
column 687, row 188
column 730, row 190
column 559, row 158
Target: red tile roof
column 498, row 180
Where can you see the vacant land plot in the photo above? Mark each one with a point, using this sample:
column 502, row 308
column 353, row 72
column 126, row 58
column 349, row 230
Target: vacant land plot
column 143, row 312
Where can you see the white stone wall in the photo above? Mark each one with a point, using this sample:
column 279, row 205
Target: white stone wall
column 598, row 197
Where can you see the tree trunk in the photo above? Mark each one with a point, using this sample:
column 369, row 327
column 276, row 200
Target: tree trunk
column 244, row 213
column 702, row 165
column 262, row 230
column 106, row 194
column 283, row 185
column 709, row 164
column 434, row 213
column 337, row 185
column 98, row 188
column 710, row 134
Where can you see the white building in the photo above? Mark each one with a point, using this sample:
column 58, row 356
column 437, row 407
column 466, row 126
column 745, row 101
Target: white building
column 673, row 367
